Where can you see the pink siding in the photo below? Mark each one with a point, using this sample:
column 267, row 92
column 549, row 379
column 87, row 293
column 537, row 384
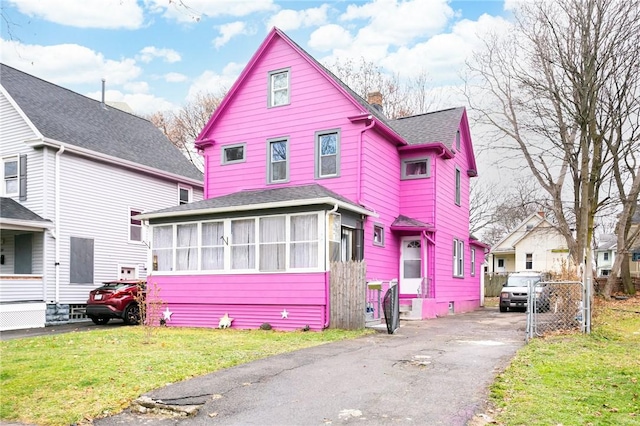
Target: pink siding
column 201, row 300
column 316, row 105
column 381, row 193
column 452, row 221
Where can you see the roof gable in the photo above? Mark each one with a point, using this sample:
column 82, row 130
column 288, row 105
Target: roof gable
column 67, row 117
column 366, row 109
column 520, row 230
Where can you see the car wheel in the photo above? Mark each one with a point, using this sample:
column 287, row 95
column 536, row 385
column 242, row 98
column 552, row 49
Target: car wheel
column 503, row 309
column 100, row 320
column 132, row 314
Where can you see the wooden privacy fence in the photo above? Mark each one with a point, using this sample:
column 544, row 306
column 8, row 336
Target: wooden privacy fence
column 493, row 284
column 347, row 295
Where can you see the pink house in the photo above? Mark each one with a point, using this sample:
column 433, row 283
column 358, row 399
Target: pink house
column 301, row 171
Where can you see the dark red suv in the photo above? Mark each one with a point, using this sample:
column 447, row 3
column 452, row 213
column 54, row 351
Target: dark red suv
column 115, row 299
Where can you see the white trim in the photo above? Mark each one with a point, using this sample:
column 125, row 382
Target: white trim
column 24, row 225
column 189, row 190
column 261, row 206
column 141, row 241
column 10, row 159
column 95, row 155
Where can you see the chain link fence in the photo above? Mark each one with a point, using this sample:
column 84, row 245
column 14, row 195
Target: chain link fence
column 555, row 307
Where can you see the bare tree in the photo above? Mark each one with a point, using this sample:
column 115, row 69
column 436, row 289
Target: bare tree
column 183, row 127
column 400, row 98
column 548, row 88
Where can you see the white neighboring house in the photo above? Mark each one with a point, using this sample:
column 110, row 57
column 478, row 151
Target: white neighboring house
column 606, row 254
column 534, row 245
column 74, row 172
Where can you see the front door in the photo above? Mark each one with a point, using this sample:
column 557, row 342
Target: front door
column 411, row 266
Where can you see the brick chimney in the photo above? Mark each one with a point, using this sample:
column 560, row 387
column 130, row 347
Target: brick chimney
column 541, row 214
column 375, row 99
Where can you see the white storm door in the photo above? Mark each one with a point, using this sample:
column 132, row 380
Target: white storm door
column 410, row 266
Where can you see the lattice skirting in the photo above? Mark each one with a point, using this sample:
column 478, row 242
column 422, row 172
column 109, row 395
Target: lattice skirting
column 15, row 316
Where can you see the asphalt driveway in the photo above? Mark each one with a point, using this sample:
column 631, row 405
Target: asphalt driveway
column 433, row 372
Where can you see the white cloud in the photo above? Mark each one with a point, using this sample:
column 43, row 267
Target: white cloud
column 147, row 54
column 174, row 77
column 228, row 31
column 140, row 103
column 211, row 82
column 137, row 87
column 108, row 14
column 329, row 37
column 289, row 19
column 194, row 10
column 443, row 56
column 68, row 63
column 398, row 22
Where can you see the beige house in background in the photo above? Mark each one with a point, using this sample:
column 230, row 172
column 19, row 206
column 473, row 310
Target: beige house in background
column 535, row 245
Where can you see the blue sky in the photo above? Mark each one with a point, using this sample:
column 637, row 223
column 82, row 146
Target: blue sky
column 156, row 54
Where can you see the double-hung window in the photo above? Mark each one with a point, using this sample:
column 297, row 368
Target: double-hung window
column 185, row 194
column 528, row 262
column 473, row 262
column 327, row 154
column 10, row 169
column 135, row 226
column 279, row 88
column 458, row 184
column 278, row 160
column 458, row 258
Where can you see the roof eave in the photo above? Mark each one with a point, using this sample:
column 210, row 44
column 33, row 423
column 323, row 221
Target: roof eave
column 259, row 206
column 52, row 143
column 25, row 225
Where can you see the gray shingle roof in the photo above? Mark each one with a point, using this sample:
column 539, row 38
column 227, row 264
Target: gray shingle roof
column 11, row 209
column 408, row 222
column 69, row 117
column 607, row 241
column 258, row 197
column 438, row 126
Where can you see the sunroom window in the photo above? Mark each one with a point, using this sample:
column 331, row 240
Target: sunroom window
column 187, row 247
column 273, row 243
column 243, row 244
column 304, row 241
column 162, row 248
column 213, row 246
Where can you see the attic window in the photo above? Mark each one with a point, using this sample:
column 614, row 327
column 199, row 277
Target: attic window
column 233, row 153
column 279, row 88
column 458, row 140
column 529, row 226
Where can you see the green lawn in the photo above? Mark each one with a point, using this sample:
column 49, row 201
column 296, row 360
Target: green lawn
column 577, row 379
column 75, row 377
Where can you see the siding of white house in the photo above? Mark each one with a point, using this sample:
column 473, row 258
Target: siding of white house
column 95, row 205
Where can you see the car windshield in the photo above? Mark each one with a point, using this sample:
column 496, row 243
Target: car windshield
column 516, row 281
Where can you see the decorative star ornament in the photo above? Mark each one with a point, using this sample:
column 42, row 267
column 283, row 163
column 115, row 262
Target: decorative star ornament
column 225, row 321
column 285, row 314
column 167, row 314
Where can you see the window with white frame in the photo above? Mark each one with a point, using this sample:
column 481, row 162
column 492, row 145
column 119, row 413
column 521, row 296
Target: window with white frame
column 458, row 184
column 500, row 263
column 135, row 226
column 279, row 88
column 378, row 235
column 162, row 252
column 415, row 168
column 528, row 262
column 605, row 255
column 268, row 244
column 233, row 153
column 213, row 241
column 243, row 244
column 473, row 262
column 327, row 154
column 10, row 176
column 187, row 247
column 458, row 258
column 185, row 194
column 278, row 157
column 273, row 243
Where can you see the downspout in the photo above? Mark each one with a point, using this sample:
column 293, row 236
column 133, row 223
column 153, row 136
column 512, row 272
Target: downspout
column 359, row 172
column 57, row 215
column 327, row 299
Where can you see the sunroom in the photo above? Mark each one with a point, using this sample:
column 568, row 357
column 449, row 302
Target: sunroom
column 261, row 256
